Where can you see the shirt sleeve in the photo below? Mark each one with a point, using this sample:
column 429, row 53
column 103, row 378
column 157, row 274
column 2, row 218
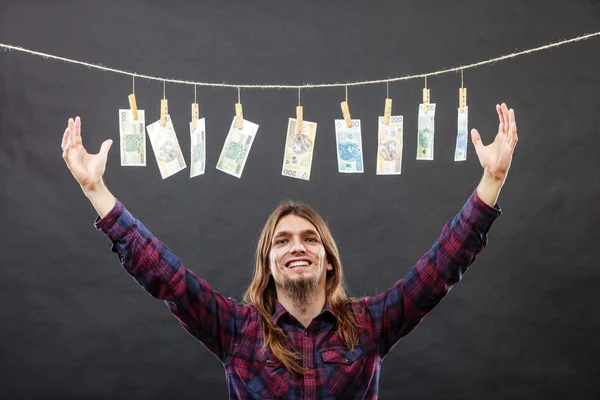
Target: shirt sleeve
column 396, row 312
column 205, row 314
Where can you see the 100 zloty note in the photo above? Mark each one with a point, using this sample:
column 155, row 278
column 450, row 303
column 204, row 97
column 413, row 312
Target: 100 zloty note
column 132, row 138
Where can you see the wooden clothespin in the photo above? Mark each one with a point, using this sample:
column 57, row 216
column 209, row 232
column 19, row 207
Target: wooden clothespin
column 195, row 115
column 164, row 111
column 239, row 113
column 346, row 113
column 346, row 110
column 195, row 111
column 299, row 115
column 462, row 94
column 299, row 119
column 164, row 108
column 426, row 97
column 387, row 112
column 133, row 106
column 133, row 103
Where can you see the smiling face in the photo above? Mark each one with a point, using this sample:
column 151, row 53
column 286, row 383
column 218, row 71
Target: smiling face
column 297, row 259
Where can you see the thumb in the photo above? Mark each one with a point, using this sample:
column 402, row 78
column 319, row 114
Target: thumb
column 106, row 147
column 476, row 139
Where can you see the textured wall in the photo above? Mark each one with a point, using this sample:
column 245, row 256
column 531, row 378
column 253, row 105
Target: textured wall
column 522, row 324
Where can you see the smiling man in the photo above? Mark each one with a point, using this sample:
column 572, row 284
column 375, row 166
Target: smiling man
column 298, row 335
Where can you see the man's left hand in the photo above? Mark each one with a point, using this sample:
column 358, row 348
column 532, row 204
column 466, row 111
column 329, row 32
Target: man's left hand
column 496, row 157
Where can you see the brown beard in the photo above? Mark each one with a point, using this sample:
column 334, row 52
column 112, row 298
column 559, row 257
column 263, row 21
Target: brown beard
column 301, row 291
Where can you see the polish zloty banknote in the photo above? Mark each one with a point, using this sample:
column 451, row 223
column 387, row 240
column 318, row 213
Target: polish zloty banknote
column 349, row 146
column 236, row 148
column 299, row 146
column 460, row 153
column 426, row 130
column 198, row 148
column 132, row 138
column 166, row 148
column 389, row 146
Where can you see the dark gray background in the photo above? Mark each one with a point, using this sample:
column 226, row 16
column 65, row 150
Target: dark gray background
column 522, row 324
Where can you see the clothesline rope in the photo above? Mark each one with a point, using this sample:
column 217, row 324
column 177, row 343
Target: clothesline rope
column 307, row 86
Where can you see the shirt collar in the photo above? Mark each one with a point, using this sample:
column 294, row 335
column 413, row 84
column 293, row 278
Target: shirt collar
column 281, row 311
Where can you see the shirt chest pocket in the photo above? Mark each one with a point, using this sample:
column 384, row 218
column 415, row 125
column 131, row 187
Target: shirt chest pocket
column 270, row 379
column 344, row 369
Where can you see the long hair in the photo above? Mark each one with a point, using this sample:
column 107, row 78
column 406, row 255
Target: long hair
column 261, row 292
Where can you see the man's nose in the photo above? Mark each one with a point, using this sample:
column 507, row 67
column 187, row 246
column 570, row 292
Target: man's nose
column 298, row 246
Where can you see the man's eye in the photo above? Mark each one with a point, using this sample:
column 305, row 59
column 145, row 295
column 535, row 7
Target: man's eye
column 312, row 240
column 280, row 241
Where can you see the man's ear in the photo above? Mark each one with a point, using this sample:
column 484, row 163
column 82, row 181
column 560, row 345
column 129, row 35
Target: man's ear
column 329, row 266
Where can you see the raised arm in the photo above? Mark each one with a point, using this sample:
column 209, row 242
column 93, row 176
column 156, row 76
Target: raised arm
column 210, row 317
column 396, row 312
column 496, row 157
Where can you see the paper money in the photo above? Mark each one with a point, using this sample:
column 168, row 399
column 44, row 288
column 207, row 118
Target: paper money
column 460, row 153
column 389, row 146
column 236, row 148
column 425, row 133
column 132, row 138
column 166, row 148
column 198, row 148
column 299, row 146
column 349, row 146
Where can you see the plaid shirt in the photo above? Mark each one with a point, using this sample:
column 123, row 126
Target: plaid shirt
column 233, row 331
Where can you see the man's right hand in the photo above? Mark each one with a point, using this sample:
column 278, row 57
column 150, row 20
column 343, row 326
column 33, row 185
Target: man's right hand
column 87, row 169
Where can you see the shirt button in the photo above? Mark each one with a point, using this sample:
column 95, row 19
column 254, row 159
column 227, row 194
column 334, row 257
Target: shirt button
column 347, row 361
column 305, row 333
column 307, row 368
column 268, row 361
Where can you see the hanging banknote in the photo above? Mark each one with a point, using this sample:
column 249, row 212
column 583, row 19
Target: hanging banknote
column 132, row 138
column 389, row 146
column 166, row 148
column 460, row 153
column 349, row 146
column 299, row 146
column 198, row 148
column 426, row 129
column 236, row 148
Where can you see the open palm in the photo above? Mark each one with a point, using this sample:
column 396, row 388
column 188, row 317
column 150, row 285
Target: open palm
column 496, row 157
column 87, row 169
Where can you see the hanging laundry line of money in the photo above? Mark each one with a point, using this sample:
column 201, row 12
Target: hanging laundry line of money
column 301, row 135
column 299, row 144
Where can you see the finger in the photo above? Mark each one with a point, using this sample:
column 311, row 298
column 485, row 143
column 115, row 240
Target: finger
column 64, row 139
column 71, row 132
column 476, row 138
column 106, row 147
column 506, row 120
column 513, row 137
column 78, row 130
column 500, row 118
column 65, row 154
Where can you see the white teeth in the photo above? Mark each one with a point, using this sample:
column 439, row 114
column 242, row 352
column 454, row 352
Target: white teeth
column 298, row 264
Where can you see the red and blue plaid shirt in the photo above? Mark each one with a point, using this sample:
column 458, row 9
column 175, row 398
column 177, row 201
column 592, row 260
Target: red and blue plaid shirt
column 233, row 331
